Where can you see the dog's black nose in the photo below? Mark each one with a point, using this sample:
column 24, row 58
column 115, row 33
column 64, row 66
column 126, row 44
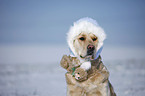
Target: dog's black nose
column 90, row 49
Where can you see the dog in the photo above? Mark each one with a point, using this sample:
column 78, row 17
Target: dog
column 85, row 39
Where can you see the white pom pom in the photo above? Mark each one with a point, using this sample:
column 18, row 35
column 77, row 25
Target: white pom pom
column 86, row 65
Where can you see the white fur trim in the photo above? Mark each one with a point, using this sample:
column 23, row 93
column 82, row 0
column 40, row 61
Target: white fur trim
column 87, row 25
column 86, row 65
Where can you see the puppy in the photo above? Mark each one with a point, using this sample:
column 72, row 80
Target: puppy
column 85, row 39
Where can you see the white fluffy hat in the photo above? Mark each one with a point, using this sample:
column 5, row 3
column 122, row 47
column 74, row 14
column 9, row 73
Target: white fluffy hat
column 85, row 25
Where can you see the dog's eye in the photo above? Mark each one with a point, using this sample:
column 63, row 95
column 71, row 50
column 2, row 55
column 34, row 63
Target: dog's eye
column 94, row 39
column 82, row 38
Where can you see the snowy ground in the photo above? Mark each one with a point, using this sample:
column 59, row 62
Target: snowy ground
column 35, row 71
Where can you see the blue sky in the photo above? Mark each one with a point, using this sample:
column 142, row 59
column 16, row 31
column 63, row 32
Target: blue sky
column 47, row 22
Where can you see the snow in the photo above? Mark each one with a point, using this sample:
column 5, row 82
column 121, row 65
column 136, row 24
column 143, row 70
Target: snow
column 27, row 70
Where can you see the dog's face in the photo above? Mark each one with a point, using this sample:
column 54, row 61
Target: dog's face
column 85, row 45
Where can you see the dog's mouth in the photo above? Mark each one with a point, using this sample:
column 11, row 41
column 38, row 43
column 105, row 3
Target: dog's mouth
column 90, row 53
column 87, row 57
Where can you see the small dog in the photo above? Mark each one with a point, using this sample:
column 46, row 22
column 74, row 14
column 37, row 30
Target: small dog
column 85, row 40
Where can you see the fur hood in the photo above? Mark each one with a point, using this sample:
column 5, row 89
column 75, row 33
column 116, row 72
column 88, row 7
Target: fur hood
column 85, row 25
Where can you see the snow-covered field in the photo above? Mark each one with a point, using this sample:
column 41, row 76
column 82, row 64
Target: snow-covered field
column 34, row 70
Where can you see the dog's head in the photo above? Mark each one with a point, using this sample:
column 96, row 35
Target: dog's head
column 85, row 45
column 85, row 38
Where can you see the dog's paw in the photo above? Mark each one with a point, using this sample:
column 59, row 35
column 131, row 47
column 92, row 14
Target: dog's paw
column 80, row 74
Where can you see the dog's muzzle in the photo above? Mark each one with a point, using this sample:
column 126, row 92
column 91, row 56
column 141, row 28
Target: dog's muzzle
column 90, row 49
